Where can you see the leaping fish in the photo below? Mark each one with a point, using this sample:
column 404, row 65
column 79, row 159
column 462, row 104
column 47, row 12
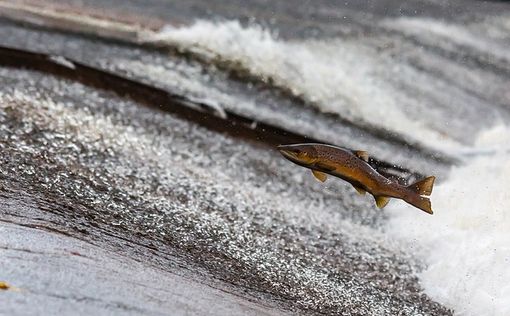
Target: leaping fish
column 353, row 167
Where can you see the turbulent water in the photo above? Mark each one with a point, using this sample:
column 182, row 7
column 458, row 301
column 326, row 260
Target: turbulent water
column 430, row 94
column 466, row 244
column 397, row 89
column 380, row 81
column 140, row 172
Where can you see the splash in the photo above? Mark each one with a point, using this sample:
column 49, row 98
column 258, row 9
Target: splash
column 469, row 36
column 338, row 76
column 466, row 244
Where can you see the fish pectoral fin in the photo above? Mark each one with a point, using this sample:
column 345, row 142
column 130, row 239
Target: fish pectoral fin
column 361, row 154
column 381, row 201
column 321, row 176
column 360, row 190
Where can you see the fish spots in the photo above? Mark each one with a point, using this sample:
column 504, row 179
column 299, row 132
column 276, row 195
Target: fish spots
column 353, row 168
column 351, row 162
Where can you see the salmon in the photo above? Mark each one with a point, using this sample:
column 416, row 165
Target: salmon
column 353, row 167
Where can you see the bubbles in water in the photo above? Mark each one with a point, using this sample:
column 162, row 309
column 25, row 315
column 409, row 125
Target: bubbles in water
column 466, row 242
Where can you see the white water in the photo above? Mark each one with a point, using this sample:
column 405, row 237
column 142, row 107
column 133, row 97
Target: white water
column 457, row 34
column 338, row 76
column 466, row 243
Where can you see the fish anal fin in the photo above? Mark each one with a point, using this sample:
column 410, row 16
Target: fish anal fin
column 321, row 176
column 360, row 190
column 381, row 201
column 361, row 154
column 424, row 186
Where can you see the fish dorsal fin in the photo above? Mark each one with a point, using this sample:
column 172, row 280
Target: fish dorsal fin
column 381, row 201
column 363, row 155
column 321, row 176
column 360, row 190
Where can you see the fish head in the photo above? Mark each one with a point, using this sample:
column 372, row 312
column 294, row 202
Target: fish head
column 301, row 154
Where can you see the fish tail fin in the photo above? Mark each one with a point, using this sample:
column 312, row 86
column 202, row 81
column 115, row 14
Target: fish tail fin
column 423, row 203
column 424, row 186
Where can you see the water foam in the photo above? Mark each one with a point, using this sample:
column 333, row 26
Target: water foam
column 337, row 76
column 465, row 35
column 466, row 243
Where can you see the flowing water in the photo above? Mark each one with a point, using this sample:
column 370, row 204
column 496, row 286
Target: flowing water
column 416, row 90
column 394, row 82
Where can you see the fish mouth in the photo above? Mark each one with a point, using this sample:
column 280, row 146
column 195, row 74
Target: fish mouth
column 287, row 152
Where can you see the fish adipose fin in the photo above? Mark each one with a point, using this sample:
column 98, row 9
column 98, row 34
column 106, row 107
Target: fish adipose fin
column 321, row 176
column 363, row 155
column 424, row 186
column 360, row 190
column 381, row 201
